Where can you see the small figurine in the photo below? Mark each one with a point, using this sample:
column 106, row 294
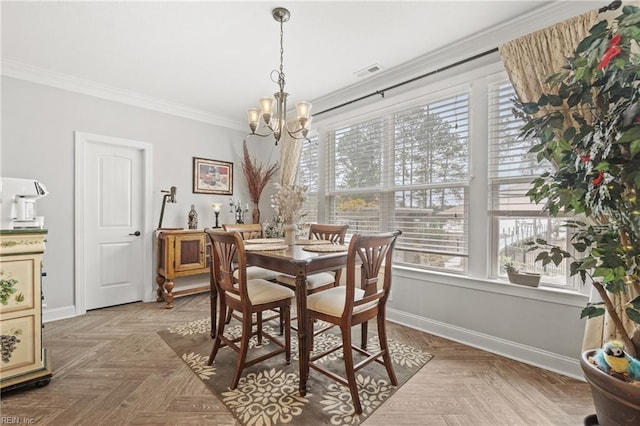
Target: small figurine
column 613, row 359
column 236, row 207
column 193, row 217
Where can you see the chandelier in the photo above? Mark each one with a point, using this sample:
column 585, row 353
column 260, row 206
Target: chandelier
column 275, row 120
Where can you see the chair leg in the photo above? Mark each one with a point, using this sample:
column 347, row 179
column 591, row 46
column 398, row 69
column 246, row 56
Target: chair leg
column 382, row 337
column 285, row 312
column 219, row 332
column 259, row 328
column 363, row 335
column 347, row 354
column 282, row 321
column 244, row 349
column 309, row 337
column 229, row 316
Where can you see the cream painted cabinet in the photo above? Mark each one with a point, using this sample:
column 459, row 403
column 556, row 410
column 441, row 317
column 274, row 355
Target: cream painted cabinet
column 24, row 360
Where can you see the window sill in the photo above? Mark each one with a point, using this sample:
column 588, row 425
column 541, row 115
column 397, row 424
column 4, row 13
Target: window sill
column 546, row 294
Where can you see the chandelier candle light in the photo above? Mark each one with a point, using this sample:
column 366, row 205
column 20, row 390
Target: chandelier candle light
column 276, row 121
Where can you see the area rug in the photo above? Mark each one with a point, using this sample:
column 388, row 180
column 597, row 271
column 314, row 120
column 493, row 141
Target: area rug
column 268, row 391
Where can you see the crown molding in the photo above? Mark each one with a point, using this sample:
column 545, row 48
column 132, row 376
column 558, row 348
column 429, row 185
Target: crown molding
column 67, row 82
column 457, row 51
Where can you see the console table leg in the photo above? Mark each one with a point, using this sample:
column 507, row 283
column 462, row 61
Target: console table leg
column 168, row 285
column 160, row 281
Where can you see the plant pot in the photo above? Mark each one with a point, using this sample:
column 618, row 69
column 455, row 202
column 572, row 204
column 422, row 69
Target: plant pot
column 524, row 278
column 617, row 402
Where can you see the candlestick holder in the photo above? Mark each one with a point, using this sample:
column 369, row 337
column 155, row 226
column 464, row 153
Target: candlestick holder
column 217, row 207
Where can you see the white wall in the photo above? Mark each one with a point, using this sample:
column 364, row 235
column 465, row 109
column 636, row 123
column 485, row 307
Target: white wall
column 38, row 125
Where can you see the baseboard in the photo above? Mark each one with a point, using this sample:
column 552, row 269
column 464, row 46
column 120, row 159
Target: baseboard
column 529, row 355
column 56, row 314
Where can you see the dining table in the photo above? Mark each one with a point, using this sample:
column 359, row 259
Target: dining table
column 295, row 260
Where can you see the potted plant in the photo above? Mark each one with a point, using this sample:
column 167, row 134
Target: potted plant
column 512, row 268
column 588, row 128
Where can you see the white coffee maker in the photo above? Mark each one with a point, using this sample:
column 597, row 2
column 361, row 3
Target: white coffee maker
column 18, row 203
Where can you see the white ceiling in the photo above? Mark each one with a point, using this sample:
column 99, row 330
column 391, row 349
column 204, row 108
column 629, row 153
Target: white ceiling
column 216, row 57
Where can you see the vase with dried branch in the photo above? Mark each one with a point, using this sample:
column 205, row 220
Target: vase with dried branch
column 257, row 175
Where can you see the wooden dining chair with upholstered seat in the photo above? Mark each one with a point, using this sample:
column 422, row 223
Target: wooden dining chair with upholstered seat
column 351, row 305
column 247, row 296
column 250, row 231
column 322, row 280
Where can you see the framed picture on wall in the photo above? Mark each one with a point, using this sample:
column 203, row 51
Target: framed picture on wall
column 212, row 176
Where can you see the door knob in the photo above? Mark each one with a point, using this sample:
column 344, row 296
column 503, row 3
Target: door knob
column 137, row 233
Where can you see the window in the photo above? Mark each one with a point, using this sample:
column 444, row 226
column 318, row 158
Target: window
column 406, row 169
column 308, row 176
column 515, row 219
column 444, row 164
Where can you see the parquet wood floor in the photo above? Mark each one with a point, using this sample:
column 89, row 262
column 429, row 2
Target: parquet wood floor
column 111, row 368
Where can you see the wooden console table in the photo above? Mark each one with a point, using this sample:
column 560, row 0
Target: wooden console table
column 181, row 253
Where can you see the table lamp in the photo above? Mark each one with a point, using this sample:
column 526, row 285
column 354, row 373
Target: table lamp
column 217, row 207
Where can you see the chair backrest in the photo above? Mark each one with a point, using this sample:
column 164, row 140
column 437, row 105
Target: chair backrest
column 370, row 253
column 228, row 255
column 246, row 230
column 334, row 233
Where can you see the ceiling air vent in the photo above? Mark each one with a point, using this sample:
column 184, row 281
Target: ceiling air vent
column 371, row 69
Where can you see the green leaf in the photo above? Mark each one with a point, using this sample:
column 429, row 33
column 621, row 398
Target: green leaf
column 574, row 100
column 635, row 147
column 555, row 100
column 598, row 28
column 569, row 133
column 530, row 108
column 584, row 44
column 633, row 315
column 630, row 135
column 591, row 312
column 544, row 100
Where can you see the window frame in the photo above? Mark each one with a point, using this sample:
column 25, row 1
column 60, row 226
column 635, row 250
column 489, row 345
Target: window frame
column 481, row 257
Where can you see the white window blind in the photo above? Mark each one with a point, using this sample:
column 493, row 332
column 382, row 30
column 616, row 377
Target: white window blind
column 408, row 170
column 517, row 220
column 511, row 166
column 308, row 176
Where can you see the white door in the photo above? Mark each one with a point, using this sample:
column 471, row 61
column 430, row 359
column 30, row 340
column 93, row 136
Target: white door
column 112, row 223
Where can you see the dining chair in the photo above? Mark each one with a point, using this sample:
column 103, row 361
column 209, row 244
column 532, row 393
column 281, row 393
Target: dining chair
column 250, row 231
column 248, row 296
column 322, row 280
column 351, row 305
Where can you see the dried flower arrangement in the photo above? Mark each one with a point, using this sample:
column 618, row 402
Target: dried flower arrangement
column 257, row 176
column 288, row 201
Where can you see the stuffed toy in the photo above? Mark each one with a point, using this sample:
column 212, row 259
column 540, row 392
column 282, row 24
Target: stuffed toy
column 612, row 359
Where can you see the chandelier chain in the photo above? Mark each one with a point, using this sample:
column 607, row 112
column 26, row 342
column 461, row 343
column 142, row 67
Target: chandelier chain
column 281, row 74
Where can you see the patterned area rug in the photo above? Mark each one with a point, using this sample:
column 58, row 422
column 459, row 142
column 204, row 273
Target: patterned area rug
column 268, row 391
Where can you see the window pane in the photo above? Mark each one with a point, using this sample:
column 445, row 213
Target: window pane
column 516, row 232
column 431, row 142
column 358, row 156
column 360, row 211
column 518, row 220
column 407, row 170
column 434, row 227
column 308, row 176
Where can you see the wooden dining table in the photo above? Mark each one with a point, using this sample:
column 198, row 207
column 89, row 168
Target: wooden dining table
column 300, row 263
